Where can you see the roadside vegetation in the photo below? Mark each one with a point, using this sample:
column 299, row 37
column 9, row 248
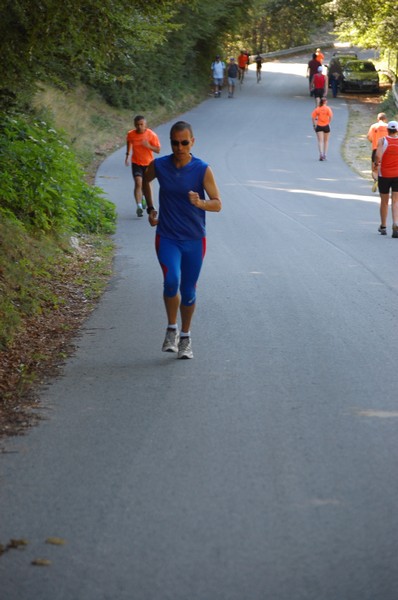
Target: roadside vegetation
column 72, row 76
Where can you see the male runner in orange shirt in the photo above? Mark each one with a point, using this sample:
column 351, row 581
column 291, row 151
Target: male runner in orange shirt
column 142, row 142
column 243, row 59
column 376, row 132
column 319, row 55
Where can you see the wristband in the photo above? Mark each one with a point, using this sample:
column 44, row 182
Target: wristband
column 150, row 209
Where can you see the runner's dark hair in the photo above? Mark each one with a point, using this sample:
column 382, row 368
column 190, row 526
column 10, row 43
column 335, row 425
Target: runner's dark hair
column 181, row 126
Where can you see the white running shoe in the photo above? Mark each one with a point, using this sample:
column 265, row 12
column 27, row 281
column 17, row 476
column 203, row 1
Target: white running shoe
column 185, row 348
column 170, row 343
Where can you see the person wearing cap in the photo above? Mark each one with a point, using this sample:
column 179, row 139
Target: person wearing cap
column 320, row 85
column 218, row 70
column 232, row 74
column 321, row 118
column 376, row 132
column 386, row 161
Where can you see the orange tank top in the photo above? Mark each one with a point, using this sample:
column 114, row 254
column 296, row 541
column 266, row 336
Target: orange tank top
column 389, row 158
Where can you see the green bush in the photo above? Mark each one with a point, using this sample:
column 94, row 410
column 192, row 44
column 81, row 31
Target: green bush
column 25, row 263
column 42, row 184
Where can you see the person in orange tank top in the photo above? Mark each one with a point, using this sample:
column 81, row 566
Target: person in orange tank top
column 387, row 163
column 321, row 118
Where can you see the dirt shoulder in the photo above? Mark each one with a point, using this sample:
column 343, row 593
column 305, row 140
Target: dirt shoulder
column 356, row 148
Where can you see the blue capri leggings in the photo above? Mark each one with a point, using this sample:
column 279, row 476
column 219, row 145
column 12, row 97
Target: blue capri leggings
column 181, row 262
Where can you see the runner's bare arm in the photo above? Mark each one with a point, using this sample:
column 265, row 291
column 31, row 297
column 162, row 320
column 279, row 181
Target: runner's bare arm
column 128, row 148
column 213, row 204
column 149, row 176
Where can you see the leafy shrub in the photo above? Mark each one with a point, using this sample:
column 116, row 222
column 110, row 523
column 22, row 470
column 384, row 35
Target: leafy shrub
column 24, row 263
column 42, row 184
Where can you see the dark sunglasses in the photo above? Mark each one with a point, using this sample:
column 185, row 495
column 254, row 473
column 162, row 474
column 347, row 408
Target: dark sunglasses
column 177, row 143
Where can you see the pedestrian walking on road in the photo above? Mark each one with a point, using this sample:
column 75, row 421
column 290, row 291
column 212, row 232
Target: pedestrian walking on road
column 243, row 60
column 218, row 71
column 321, row 118
column 334, row 79
column 319, row 55
column 320, row 85
column 259, row 64
column 386, row 161
column 232, row 74
column 142, row 142
column 312, row 68
column 181, row 230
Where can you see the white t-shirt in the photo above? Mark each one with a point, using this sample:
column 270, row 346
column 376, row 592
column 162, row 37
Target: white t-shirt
column 218, row 69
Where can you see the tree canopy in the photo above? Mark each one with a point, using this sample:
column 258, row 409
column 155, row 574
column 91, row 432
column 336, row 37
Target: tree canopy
column 60, row 39
column 368, row 23
column 116, row 44
column 278, row 24
column 122, row 46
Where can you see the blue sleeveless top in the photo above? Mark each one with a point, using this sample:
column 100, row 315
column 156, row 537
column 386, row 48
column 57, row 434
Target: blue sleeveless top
column 178, row 218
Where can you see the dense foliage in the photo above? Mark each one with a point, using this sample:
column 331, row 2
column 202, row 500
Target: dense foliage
column 138, row 51
column 59, row 40
column 41, row 184
column 181, row 62
column 368, row 23
column 278, row 24
column 148, row 50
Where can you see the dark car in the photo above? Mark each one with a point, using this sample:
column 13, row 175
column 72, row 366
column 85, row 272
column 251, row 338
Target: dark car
column 359, row 76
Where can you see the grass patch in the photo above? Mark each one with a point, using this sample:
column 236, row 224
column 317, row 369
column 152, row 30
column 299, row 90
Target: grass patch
column 94, row 128
column 44, row 301
column 36, row 272
column 388, row 106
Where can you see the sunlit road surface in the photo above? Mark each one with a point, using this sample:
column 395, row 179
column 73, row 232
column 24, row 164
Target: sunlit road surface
column 266, row 467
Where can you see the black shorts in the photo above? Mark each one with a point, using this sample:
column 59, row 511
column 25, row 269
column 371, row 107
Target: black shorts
column 324, row 128
column 138, row 170
column 388, row 183
column 319, row 92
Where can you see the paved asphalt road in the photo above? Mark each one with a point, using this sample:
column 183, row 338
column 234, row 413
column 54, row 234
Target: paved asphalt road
column 265, row 468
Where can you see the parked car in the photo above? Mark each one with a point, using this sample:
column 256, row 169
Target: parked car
column 344, row 52
column 359, row 75
column 339, row 59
